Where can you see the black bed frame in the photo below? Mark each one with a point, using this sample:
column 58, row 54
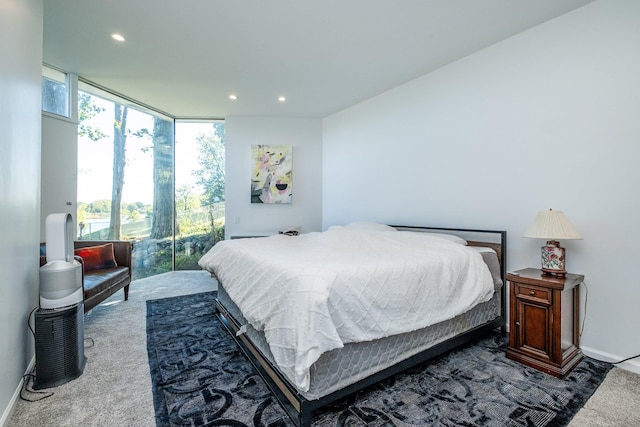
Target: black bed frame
column 299, row 408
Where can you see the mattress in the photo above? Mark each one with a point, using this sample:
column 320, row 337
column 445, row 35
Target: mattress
column 320, row 291
column 339, row 368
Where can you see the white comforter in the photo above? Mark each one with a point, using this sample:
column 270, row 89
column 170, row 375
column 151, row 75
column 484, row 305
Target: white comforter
column 315, row 292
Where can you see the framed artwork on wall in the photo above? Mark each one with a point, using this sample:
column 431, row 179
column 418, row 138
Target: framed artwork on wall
column 271, row 173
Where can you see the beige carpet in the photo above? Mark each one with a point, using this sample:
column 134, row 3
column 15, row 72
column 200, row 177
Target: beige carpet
column 115, row 388
column 614, row 403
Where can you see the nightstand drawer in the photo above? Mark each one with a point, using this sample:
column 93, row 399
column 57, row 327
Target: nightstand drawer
column 533, row 292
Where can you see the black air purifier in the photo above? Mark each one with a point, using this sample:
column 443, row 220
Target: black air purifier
column 59, row 343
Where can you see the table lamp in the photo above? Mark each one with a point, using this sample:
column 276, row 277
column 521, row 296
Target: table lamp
column 552, row 225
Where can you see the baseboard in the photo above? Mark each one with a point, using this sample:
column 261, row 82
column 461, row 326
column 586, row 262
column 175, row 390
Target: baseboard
column 6, row 415
column 632, row 365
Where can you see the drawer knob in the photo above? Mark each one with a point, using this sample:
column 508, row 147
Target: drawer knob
column 517, row 323
column 532, row 293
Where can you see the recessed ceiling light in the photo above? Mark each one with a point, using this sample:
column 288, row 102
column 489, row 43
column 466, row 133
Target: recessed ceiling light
column 233, row 97
column 117, row 37
column 282, row 98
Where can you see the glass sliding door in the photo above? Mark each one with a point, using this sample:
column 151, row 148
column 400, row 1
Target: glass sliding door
column 199, row 190
column 126, row 178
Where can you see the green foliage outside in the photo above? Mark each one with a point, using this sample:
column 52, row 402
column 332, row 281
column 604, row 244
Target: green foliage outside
column 199, row 210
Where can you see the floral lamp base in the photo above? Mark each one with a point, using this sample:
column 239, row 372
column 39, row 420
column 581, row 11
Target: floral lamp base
column 553, row 258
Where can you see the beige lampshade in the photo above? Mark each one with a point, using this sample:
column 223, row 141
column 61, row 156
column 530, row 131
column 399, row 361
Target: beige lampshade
column 552, row 225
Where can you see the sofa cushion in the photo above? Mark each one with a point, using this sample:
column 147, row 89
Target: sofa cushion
column 97, row 281
column 97, row 257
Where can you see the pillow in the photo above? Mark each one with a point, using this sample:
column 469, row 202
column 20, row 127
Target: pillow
column 97, row 257
column 369, row 226
column 450, row 237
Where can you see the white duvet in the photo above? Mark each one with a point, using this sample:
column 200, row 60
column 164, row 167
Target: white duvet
column 315, row 292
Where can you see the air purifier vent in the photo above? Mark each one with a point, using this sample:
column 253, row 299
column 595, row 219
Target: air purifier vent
column 59, row 339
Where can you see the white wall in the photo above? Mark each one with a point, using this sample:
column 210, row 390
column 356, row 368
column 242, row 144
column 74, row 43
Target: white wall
column 305, row 135
column 546, row 119
column 20, row 80
column 59, row 176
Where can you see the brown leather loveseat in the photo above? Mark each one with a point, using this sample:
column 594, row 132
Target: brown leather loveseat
column 106, row 268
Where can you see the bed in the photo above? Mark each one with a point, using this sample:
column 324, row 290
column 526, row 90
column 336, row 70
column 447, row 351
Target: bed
column 323, row 315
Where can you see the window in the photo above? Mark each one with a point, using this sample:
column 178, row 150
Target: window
column 199, row 193
column 126, row 178
column 55, row 91
column 136, row 182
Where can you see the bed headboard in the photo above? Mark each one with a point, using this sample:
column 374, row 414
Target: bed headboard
column 494, row 239
column 495, row 246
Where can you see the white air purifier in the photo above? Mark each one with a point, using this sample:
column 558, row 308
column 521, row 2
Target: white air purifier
column 61, row 276
column 59, row 322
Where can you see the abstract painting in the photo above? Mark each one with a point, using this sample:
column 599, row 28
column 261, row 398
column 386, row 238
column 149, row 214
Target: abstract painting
column 271, row 179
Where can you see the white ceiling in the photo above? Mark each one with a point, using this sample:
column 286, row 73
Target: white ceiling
column 185, row 57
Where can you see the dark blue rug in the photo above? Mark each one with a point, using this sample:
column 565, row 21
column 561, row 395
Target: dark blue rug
column 200, row 378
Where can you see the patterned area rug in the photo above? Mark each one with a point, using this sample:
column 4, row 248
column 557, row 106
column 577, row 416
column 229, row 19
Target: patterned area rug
column 200, row 378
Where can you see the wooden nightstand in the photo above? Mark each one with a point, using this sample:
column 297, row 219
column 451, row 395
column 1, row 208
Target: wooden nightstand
column 544, row 320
